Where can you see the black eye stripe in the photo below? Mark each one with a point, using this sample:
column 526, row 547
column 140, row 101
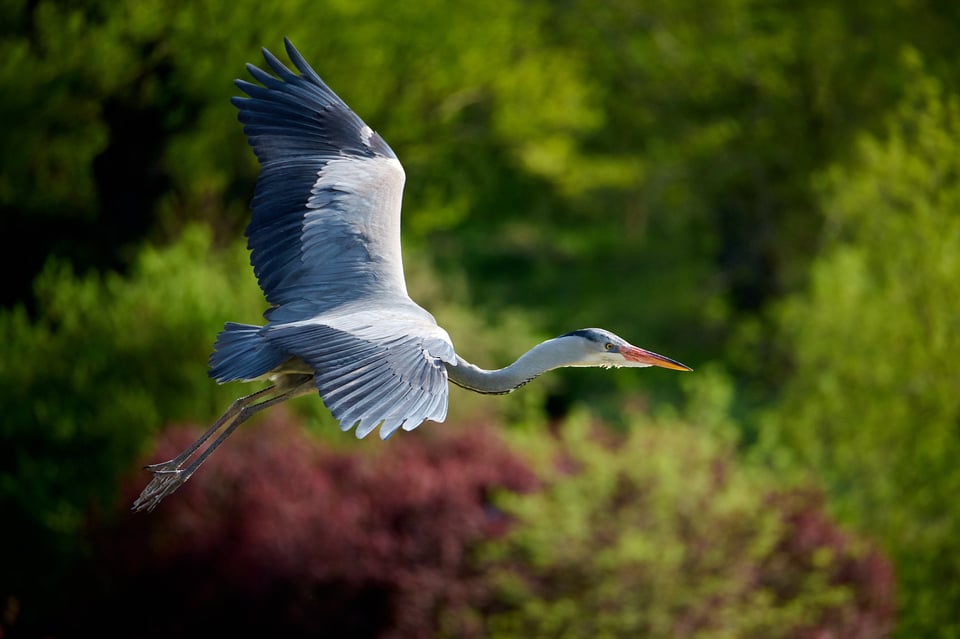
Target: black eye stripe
column 585, row 333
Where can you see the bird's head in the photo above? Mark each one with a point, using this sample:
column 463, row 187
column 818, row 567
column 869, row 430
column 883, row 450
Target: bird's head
column 599, row 347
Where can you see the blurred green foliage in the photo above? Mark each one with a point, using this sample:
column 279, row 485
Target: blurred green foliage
column 663, row 534
column 79, row 383
column 872, row 408
column 766, row 192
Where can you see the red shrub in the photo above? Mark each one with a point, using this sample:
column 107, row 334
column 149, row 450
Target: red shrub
column 809, row 533
column 279, row 534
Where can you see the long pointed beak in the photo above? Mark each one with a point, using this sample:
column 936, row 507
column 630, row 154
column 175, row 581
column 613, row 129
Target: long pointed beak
column 648, row 358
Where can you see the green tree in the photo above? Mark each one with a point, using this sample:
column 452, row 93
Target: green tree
column 872, row 406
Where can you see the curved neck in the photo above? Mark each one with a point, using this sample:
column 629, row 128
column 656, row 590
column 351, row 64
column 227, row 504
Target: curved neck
column 539, row 359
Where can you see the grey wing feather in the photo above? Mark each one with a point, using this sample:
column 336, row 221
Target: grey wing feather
column 372, row 375
column 325, row 247
column 325, row 228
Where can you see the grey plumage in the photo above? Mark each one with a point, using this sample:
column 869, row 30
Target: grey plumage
column 324, row 240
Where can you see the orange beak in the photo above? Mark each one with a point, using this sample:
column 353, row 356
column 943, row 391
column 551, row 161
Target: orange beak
column 641, row 356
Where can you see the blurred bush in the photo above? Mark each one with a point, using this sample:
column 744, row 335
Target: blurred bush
column 663, row 533
column 281, row 535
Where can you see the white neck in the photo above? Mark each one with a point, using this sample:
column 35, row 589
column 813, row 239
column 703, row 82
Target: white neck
column 551, row 354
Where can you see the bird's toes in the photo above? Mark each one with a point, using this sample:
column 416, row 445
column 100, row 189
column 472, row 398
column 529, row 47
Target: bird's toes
column 166, row 466
column 166, row 473
column 165, row 481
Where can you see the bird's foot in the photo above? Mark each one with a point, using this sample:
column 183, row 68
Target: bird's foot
column 163, row 468
column 167, row 478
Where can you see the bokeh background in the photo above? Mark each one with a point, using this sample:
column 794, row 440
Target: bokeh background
column 768, row 192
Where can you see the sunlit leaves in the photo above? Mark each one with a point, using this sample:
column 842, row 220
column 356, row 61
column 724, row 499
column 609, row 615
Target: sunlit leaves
column 873, row 406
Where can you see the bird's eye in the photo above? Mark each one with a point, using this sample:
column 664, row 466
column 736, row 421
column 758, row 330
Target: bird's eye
column 608, row 346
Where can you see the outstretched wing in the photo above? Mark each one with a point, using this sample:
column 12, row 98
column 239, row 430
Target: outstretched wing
column 387, row 370
column 325, row 228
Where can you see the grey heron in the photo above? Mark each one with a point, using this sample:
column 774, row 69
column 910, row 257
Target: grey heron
column 324, row 240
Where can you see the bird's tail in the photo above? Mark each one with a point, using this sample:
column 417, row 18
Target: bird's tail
column 241, row 352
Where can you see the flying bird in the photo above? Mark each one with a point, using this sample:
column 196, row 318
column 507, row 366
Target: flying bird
column 324, row 240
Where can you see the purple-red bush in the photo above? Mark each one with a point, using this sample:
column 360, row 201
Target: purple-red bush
column 812, row 542
column 280, row 535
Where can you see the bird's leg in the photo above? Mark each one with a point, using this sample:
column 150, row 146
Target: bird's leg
column 170, row 475
column 237, row 405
